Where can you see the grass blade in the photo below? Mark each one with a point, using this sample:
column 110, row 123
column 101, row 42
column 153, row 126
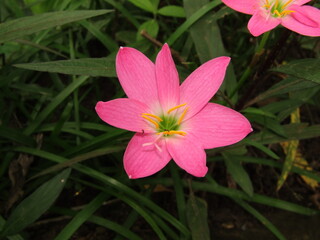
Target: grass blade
column 32, row 207
column 20, row 27
column 95, row 67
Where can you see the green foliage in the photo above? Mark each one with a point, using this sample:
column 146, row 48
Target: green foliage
column 18, row 28
column 197, row 215
column 32, row 207
column 95, row 67
column 57, row 59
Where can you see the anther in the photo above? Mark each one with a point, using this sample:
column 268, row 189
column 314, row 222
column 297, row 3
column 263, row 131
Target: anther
column 151, row 120
column 171, row 132
column 286, row 12
column 286, row 4
column 152, row 115
column 176, row 107
column 182, row 115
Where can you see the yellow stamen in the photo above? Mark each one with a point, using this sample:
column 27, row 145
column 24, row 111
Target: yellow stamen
column 152, row 115
column 182, row 115
column 267, row 5
column 276, row 4
column 286, row 12
column 151, row 120
column 176, row 107
column 277, row 13
column 182, row 133
column 286, row 4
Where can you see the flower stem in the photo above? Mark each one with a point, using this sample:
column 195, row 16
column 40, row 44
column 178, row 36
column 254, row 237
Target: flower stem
column 259, row 51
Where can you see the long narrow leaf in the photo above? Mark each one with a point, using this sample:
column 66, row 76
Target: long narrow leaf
column 32, row 207
column 27, row 25
column 96, row 67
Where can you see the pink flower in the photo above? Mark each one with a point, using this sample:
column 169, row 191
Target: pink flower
column 267, row 14
column 170, row 121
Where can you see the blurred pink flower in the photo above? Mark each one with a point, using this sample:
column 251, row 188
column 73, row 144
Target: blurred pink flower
column 170, row 121
column 267, row 14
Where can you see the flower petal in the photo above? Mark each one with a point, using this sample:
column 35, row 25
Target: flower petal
column 218, row 126
column 136, row 74
column 304, row 20
column 124, row 113
column 188, row 154
column 301, row 2
column 260, row 23
column 142, row 161
column 244, row 6
column 167, row 79
column 202, row 84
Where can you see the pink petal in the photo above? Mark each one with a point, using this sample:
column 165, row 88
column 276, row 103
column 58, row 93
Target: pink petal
column 305, row 20
column 202, row 84
column 244, row 6
column 136, row 74
column 167, row 79
column 142, row 161
column 301, row 2
column 260, row 23
column 188, row 154
column 124, row 113
column 217, row 126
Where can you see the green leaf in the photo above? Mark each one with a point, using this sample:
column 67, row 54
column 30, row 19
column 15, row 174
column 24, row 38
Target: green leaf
column 113, row 184
column 32, row 207
column 190, row 21
column 261, row 218
column 259, row 111
column 268, row 123
column 205, row 31
column 96, row 67
column 293, row 131
column 20, row 27
column 290, row 84
column 16, row 136
column 144, row 4
column 197, row 216
column 261, row 147
column 54, row 103
column 172, row 11
column 82, row 217
column 238, row 173
column 307, row 69
column 206, row 36
column 103, row 222
column 151, row 27
column 103, row 37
